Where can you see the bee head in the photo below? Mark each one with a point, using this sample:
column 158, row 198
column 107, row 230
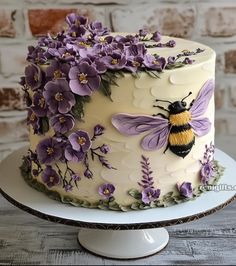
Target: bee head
column 177, row 107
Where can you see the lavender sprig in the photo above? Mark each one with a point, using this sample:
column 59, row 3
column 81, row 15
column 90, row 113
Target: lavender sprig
column 147, row 179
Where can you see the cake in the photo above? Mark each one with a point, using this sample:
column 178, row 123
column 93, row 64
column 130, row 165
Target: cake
column 119, row 121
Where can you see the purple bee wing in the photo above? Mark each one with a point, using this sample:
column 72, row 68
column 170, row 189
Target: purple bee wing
column 156, row 139
column 200, row 126
column 135, row 124
column 201, row 102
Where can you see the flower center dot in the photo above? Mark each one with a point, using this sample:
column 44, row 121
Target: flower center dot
column 50, row 150
column 59, row 97
column 73, row 34
column 83, row 78
column 57, row 74
column 106, row 191
column 36, row 77
column 32, row 117
column 84, row 44
column 62, row 119
column 135, row 64
column 155, row 62
column 42, row 102
column 66, row 55
column 51, row 179
column 81, row 140
column 114, row 61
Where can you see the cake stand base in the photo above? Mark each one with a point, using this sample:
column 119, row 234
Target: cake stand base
column 125, row 244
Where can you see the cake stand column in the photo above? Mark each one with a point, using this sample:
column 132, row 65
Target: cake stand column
column 124, row 244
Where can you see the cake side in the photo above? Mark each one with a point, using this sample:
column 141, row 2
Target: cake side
column 128, row 148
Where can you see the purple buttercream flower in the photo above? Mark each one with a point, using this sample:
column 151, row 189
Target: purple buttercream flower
column 80, row 141
column 171, row 60
column 106, row 190
column 207, row 172
column 84, row 79
column 72, row 155
column 39, row 105
column 76, row 177
column 136, row 50
column 97, row 29
column 114, row 61
column 143, row 32
column 33, row 120
column 156, row 63
column 57, row 70
column 59, row 96
column 62, row 123
column 33, row 76
column 156, row 36
column 50, row 177
column 76, row 31
column 104, row 148
column 98, row 130
column 49, row 150
column 88, row 173
column 99, row 66
column 185, row 189
column 133, row 63
column 62, row 53
column 68, row 187
column 75, row 19
column 150, row 194
column 188, row 61
column 171, row 43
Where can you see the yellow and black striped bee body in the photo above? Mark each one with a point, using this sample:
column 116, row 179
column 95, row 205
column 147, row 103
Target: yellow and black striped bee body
column 181, row 138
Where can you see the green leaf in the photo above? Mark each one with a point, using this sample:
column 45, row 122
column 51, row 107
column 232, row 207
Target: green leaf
column 78, row 108
column 135, row 193
column 152, row 74
column 105, row 88
column 45, row 125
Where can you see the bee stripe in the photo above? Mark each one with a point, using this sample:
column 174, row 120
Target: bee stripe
column 182, row 150
column 180, row 119
column 181, row 138
column 177, row 129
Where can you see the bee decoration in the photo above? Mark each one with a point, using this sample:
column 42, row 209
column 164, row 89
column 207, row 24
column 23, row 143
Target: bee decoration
column 177, row 130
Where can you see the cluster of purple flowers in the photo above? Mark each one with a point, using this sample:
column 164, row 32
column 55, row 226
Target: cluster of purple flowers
column 185, row 189
column 208, row 166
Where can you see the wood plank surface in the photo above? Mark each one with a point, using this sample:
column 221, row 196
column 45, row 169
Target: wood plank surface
column 25, row 239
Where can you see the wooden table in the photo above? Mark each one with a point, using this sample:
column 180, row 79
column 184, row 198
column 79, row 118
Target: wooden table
column 25, row 239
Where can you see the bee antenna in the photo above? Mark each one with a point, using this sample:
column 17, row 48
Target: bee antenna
column 186, row 96
column 164, row 101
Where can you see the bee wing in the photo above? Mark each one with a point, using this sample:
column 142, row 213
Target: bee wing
column 201, row 102
column 156, row 139
column 200, row 126
column 136, row 124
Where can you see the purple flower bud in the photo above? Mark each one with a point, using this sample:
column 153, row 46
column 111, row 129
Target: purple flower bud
column 156, row 36
column 98, row 130
column 68, row 187
column 88, row 173
column 171, row 60
column 142, row 32
column 171, row 43
column 76, row 177
column 188, row 61
column 104, row 149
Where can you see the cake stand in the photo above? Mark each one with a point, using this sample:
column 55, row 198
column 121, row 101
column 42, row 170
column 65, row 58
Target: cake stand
column 120, row 235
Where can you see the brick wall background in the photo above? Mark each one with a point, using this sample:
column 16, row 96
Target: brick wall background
column 212, row 22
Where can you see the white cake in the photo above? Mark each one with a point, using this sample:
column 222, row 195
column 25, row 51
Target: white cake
column 148, row 144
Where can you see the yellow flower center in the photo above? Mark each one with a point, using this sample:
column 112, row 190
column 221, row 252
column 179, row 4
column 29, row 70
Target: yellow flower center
column 81, row 140
column 106, row 191
column 59, row 97
column 50, row 150
column 135, row 64
column 32, row 117
column 62, row 119
column 51, row 179
column 57, row 74
column 84, row 44
column 42, row 102
column 66, row 55
column 36, row 77
column 83, row 78
column 114, row 61
column 155, row 62
column 73, row 34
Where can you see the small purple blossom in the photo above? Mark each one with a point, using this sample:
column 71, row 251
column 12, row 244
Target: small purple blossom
column 62, row 123
column 156, row 36
column 33, row 76
column 136, row 50
column 33, row 120
column 104, row 148
column 58, row 96
column 171, row 60
column 50, row 177
column 207, row 172
column 98, row 130
column 80, row 141
column 57, row 70
column 185, row 189
column 84, row 79
column 114, row 61
column 68, row 187
column 106, row 190
column 72, row 155
column 39, row 105
column 171, row 43
column 150, row 194
column 76, row 177
column 62, row 53
column 97, row 29
column 49, row 150
column 75, row 19
column 88, row 173
column 155, row 63
column 188, row 61
column 143, row 33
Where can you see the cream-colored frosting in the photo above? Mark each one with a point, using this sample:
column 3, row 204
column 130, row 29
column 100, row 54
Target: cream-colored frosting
column 137, row 96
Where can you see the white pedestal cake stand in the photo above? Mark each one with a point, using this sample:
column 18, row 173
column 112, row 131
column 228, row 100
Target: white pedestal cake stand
column 120, row 235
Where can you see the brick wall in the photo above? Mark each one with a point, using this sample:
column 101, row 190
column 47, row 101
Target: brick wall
column 210, row 22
